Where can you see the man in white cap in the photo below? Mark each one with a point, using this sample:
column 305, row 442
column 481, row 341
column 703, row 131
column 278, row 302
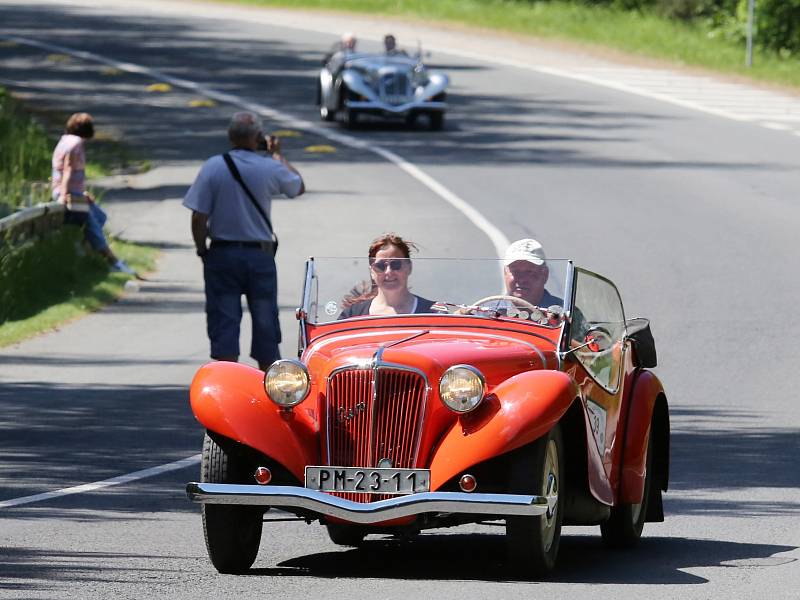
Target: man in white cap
column 525, row 273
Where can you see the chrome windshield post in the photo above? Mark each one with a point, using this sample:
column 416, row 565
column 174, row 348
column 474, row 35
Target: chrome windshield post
column 305, row 305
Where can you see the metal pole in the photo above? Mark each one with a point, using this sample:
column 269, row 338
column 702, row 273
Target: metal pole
column 750, row 17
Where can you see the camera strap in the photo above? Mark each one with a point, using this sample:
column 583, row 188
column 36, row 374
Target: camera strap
column 238, row 177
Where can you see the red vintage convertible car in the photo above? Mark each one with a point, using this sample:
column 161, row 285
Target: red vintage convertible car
column 486, row 408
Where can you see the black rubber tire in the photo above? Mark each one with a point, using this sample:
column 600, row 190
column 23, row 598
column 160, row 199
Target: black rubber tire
column 350, row 118
column 346, row 535
column 533, row 542
column 436, row 120
column 232, row 533
column 623, row 529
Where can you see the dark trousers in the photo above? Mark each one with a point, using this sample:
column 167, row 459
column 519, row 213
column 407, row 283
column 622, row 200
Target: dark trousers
column 233, row 272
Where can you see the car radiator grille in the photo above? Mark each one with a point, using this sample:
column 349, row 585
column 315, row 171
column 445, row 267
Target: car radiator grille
column 373, row 415
column 395, row 88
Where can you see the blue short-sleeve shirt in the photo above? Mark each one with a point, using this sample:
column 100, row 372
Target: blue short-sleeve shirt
column 231, row 214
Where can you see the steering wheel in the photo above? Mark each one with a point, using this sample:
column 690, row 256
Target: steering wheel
column 518, row 302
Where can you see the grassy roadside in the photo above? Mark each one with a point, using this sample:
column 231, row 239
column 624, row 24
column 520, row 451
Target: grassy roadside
column 633, row 32
column 78, row 282
column 47, row 282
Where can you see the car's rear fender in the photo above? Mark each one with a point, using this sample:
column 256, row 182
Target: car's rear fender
column 646, row 401
column 517, row 412
column 229, row 399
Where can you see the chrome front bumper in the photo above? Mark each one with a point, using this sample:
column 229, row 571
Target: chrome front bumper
column 398, row 109
column 307, row 500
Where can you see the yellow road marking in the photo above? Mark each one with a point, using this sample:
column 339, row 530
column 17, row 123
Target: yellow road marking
column 287, row 133
column 111, row 71
column 320, row 149
column 202, row 102
column 159, row 87
column 59, row 58
column 8, row 44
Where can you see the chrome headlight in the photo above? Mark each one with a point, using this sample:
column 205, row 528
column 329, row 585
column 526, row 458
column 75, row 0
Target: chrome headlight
column 461, row 388
column 287, row 382
column 419, row 77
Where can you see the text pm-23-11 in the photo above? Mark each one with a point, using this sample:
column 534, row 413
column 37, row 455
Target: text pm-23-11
column 367, row 481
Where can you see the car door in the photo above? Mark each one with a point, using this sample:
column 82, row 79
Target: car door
column 597, row 337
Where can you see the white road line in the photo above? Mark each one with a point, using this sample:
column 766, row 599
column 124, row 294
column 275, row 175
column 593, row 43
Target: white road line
column 98, row 485
column 776, row 126
column 499, row 241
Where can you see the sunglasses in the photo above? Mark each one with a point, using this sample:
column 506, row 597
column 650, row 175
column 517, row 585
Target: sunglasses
column 395, row 264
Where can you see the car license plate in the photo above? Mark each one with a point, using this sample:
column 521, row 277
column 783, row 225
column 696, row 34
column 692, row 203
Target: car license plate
column 368, row 481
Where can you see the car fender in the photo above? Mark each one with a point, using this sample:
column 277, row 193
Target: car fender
column 229, row 399
column 326, row 88
column 642, row 404
column 437, row 83
column 517, row 412
column 356, row 83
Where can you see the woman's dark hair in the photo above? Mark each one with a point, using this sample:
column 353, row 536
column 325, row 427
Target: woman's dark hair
column 367, row 290
column 391, row 239
column 81, row 124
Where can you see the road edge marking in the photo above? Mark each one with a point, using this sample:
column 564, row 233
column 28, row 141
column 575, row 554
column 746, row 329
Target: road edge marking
column 105, row 483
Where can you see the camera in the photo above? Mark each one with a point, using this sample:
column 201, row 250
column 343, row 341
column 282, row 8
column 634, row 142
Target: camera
column 262, row 143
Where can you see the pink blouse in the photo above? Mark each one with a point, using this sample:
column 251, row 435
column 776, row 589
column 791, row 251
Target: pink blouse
column 72, row 146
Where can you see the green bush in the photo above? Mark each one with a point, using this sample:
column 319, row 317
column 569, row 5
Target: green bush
column 777, row 21
column 25, row 154
column 777, row 24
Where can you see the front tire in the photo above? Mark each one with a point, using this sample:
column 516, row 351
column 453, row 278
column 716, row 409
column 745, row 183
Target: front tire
column 232, row 533
column 533, row 542
column 350, row 118
column 623, row 529
column 436, row 121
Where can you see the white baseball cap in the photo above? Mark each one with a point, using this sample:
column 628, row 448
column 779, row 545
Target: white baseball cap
column 527, row 249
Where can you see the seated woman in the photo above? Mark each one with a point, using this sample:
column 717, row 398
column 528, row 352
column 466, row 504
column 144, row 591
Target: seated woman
column 388, row 293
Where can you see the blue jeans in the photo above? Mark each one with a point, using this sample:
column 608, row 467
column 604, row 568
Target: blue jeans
column 230, row 273
column 93, row 221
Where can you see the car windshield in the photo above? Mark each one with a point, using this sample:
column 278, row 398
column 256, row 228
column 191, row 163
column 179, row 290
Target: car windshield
column 377, row 60
column 339, row 288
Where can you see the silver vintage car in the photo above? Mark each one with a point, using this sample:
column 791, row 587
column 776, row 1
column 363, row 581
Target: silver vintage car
column 385, row 85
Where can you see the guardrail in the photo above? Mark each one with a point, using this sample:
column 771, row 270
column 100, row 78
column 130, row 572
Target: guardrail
column 30, row 223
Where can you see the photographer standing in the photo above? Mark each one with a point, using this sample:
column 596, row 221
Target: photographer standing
column 230, row 202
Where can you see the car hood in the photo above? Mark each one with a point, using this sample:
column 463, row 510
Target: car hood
column 497, row 355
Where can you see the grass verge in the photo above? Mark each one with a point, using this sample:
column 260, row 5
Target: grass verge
column 640, row 33
column 24, row 156
column 55, row 280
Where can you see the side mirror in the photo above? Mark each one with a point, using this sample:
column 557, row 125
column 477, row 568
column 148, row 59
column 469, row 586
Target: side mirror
column 598, row 339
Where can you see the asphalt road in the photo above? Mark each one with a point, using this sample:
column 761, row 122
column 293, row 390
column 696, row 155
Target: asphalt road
column 693, row 214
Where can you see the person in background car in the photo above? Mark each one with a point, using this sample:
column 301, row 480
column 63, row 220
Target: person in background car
column 337, row 56
column 69, row 187
column 387, row 293
column 390, row 46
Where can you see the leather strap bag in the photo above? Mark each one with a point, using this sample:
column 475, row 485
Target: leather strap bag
column 238, row 177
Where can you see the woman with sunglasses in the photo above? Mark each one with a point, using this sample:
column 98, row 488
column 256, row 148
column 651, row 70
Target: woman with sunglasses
column 387, row 293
